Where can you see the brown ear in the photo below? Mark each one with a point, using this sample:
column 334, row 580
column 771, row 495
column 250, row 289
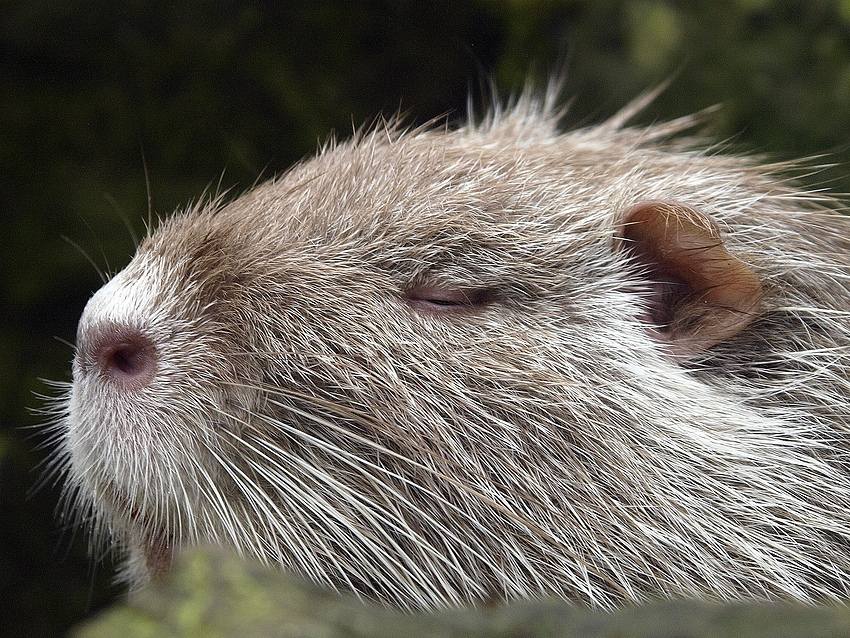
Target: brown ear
column 701, row 295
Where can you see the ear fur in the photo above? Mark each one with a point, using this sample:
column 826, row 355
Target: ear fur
column 701, row 294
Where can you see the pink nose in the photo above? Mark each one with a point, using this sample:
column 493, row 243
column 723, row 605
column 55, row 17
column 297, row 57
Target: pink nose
column 121, row 354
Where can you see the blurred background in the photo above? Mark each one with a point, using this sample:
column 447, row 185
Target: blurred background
column 95, row 93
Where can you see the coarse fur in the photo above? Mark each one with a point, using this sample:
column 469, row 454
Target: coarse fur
column 419, row 367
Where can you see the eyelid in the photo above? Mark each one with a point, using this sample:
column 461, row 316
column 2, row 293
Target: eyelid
column 440, row 299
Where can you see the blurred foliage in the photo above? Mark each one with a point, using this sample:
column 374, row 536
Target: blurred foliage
column 211, row 593
column 105, row 105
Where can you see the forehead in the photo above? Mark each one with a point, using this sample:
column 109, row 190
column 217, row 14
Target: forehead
column 411, row 192
column 389, row 180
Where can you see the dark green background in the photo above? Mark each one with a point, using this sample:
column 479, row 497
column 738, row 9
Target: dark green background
column 214, row 92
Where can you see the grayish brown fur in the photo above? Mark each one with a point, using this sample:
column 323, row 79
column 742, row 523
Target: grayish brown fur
column 418, row 367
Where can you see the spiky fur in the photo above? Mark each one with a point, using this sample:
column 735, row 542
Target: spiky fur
column 541, row 442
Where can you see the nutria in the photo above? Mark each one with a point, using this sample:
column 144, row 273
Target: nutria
column 441, row 365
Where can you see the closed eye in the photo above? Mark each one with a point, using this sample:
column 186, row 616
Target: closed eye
column 439, row 299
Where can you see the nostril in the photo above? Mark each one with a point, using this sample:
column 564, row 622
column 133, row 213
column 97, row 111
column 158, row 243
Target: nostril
column 123, row 355
column 132, row 360
column 127, row 360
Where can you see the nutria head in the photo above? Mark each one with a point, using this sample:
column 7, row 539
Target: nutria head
column 440, row 366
